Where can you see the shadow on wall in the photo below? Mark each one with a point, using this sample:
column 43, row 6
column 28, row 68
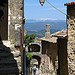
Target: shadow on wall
column 50, row 49
column 53, row 54
column 8, row 64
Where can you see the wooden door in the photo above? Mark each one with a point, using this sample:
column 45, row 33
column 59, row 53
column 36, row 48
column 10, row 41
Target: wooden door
column 3, row 22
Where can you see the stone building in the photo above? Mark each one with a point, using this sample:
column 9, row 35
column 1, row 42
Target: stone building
column 71, row 37
column 49, row 61
column 64, row 48
column 11, row 36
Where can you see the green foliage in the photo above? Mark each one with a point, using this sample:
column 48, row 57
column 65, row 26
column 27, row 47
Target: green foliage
column 28, row 39
column 28, row 55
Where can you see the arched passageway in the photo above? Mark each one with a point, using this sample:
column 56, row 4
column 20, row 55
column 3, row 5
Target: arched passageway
column 36, row 60
column 34, row 48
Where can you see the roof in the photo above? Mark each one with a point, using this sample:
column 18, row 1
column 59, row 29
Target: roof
column 51, row 39
column 62, row 34
column 70, row 3
column 54, row 36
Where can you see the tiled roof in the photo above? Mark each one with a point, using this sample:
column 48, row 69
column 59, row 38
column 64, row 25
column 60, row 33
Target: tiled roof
column 70, row 3
column 62, row 33
column 53, row 38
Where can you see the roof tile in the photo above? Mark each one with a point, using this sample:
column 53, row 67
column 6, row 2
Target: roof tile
column 70, row 3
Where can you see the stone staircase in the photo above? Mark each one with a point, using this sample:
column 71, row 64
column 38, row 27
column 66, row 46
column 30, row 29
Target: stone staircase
column 10, row 61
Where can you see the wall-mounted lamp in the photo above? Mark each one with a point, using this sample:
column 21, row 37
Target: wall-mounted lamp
column 41, row 2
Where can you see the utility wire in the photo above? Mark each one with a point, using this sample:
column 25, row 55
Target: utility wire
column 57, row 8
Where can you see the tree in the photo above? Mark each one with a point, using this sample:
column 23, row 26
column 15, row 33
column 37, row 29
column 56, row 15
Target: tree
column 28, row 39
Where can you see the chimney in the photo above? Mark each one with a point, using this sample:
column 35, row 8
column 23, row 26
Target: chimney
column 47, row 34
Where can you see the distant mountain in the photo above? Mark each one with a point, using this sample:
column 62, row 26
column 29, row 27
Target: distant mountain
column 37, row 25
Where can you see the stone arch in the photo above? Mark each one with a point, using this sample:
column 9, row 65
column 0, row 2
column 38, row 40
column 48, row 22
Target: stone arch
column 34, row 48
column 38, row 58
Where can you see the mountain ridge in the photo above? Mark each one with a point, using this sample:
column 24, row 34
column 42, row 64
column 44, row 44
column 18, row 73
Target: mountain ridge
column 40, row 25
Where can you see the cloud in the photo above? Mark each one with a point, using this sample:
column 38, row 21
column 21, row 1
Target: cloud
column 47, row 19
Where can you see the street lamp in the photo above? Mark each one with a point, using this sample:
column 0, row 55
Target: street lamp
column 41, row 2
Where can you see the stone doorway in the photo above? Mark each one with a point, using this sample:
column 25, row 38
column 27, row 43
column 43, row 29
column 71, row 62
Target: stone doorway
column 4, row 20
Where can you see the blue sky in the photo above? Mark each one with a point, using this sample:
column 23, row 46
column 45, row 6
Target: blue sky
column 33, row 9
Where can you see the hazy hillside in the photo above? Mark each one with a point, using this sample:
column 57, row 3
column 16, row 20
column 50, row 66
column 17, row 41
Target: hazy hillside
column 41, row 33
column 38, row 27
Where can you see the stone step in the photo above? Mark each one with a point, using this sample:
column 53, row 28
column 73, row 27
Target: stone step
column 13, row 53
column 5, row 49
column 8, row 62
column 9, row 71
column 8, row 65
column 5, row 54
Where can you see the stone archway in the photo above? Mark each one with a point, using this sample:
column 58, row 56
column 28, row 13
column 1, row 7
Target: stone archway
column 34, row 48
column 38, row 58
column 36, row 61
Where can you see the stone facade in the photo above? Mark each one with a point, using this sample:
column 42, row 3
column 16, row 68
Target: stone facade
column 52, row 52
column 10, row 55
column 71, row 37
column 49, row 58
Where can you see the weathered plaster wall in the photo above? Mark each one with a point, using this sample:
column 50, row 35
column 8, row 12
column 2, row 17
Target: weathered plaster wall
column 49, row 51
column 71, row 39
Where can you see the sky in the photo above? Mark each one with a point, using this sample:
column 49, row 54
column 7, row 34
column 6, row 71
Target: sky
column 33, row 9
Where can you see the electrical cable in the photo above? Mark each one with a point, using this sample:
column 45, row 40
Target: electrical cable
column 57, row 9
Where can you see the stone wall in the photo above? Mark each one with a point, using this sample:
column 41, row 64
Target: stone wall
column 16, row 15
column 16, row 29
column 71, row 39
column 49, row 59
